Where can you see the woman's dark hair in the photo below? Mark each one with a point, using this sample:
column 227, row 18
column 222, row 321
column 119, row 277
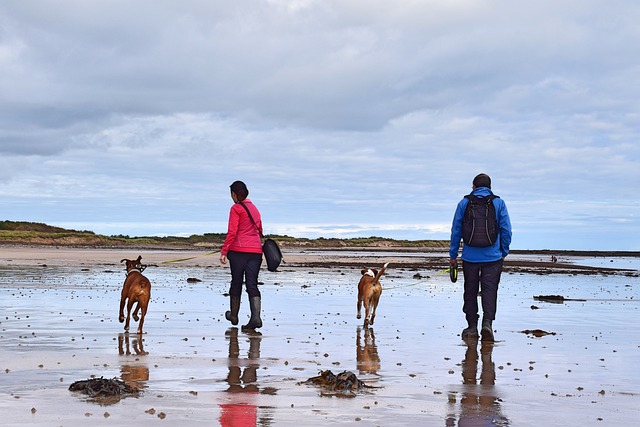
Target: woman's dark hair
column 240, row 188
column 482, row 180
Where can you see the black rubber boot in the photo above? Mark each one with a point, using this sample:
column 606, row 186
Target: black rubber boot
column 471, row 331
column 487, row 330
column 254, row 322
column 232, row 315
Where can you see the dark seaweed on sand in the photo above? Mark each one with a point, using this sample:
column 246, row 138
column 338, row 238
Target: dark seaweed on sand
column 537, row 332
column 554, row 298
column 103, row 387
column 344, row 384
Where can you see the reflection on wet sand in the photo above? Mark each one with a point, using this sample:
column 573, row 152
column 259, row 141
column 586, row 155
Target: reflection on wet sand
column 367, row 358
column 479, row 404
column 242, row 380
column 243, row 372
column 134, row 375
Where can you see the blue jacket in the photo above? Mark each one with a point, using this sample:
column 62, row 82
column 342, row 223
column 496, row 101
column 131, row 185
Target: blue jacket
column 499, row 250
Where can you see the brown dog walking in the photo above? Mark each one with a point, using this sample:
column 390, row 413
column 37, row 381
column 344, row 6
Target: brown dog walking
column 136, row 289
column 369, row 291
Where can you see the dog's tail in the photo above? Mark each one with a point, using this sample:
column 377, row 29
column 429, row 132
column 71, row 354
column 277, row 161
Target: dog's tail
column 379, row 275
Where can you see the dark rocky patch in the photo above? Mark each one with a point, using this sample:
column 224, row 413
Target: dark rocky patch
column 537, row 332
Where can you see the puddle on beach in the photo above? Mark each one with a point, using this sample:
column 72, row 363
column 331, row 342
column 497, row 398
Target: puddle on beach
column 59, row 325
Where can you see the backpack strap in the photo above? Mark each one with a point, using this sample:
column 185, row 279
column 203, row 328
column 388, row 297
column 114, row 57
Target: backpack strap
column 474, row 198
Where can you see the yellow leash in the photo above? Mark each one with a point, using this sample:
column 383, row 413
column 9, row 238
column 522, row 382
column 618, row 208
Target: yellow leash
column 186, row 259
column 416, row 283
column 403, row 286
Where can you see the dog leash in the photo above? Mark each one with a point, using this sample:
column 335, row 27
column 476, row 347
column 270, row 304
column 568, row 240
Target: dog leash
column 404, row 286
column 186, row 259
column 418, row 282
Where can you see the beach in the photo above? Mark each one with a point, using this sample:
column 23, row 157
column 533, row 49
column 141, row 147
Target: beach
column 567, row 363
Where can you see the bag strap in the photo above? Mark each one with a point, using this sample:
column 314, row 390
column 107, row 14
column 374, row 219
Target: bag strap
column 251, row 218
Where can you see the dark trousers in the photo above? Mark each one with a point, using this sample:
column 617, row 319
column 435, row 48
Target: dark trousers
column 485, row 277
column 244, row 268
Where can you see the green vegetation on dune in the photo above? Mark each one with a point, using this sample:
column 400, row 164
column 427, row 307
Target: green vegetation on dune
column 355, row 242
column 32, row 233
column 23, row 226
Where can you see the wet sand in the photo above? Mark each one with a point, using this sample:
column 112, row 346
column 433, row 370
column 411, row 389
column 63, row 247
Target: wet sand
column 59, row 325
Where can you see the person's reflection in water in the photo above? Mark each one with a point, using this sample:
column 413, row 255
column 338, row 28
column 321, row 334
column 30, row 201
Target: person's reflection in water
column 368, row 361
column 242, row 380
column 479, row 405
column 133, row 374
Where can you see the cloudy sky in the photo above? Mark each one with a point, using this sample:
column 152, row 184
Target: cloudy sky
column 344, row 117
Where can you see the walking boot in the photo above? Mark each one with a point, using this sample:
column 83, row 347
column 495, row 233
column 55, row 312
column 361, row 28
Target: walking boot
column 471, row 331
column 232, row 315
column 255, row 321
column 487, row 330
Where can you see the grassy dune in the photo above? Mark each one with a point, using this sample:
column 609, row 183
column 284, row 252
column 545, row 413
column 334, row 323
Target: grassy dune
column 32, row 233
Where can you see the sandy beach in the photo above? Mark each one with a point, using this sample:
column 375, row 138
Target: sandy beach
column 59, row 325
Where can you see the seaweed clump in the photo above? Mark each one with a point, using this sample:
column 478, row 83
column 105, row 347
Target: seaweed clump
column 104, row 389
column 344, row 384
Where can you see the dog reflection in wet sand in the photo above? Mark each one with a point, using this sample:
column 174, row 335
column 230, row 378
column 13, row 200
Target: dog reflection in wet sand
column 136, row 290
column 368, row 361
column 369, row 292
column 133, row 374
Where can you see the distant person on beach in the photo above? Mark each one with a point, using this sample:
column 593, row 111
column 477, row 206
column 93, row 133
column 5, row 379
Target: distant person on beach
column 243, row 248
column 483, row 253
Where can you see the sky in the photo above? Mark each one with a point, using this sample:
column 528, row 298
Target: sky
column 345, row 118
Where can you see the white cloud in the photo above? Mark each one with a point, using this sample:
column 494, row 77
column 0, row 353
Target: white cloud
column 342, row 116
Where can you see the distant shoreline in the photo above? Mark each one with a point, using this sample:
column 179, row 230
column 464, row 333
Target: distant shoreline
column 309, row 246
column 426, row 261
column 31, row 234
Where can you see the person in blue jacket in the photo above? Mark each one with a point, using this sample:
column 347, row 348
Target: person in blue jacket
column 481, row 266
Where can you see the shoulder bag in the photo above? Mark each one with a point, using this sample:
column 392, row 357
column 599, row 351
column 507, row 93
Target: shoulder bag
column 270, row 249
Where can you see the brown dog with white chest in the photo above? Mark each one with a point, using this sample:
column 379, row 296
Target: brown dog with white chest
column 136, row 289
column 369, row 291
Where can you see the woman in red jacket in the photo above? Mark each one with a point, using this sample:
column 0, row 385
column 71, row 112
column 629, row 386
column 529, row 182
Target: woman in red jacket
column 243, row 248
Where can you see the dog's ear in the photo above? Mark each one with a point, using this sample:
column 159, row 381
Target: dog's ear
column 375, row 272
column 363, row 271
column 139, row 258
column 123, row 260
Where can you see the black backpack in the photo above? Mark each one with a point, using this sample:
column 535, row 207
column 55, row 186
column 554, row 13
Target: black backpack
column 479, row 224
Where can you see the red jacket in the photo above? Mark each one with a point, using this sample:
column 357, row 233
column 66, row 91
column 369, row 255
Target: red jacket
column 242, row 233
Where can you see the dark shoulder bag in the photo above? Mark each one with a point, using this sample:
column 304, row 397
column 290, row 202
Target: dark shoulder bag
column 270, row 249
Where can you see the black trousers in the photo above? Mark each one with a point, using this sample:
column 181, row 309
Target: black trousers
column 244, row 268
column 485, row 277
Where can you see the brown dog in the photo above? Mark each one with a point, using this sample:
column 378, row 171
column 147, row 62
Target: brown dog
column 369, row 291
column 137, row 289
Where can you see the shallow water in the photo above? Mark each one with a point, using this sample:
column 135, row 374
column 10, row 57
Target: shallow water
column 59, row 325
column 632, row 263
